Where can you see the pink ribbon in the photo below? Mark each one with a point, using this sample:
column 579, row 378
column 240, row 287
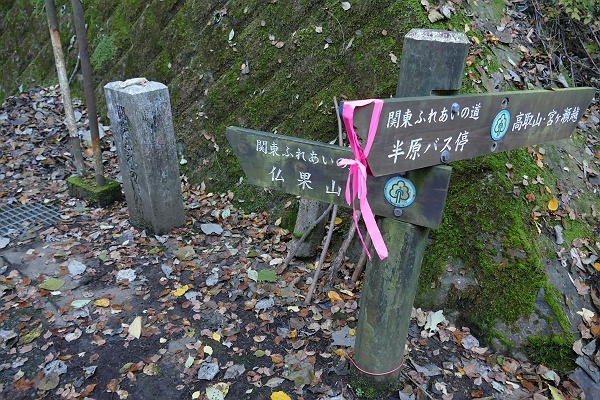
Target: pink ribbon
column 356, row 186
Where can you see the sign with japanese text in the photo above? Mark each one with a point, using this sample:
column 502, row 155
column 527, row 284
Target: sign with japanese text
column 424, row 131
column 309, row 169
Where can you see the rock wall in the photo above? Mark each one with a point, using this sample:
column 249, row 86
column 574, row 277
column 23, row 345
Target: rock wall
column 260, row 64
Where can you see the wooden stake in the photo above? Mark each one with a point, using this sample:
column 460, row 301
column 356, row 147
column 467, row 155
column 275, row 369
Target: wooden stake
column 88, row 86
column 63, row 81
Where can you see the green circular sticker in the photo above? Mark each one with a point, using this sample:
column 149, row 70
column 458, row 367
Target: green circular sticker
column 500, row 125
column 400, row 192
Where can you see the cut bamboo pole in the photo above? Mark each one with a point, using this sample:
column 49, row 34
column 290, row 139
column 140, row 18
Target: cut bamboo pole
column 63, row 81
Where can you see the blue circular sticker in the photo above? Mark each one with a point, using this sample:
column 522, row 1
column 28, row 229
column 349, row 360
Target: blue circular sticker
column 500, row 125
column 400, row 192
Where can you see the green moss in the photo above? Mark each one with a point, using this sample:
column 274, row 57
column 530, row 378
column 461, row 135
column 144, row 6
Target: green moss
column 577, row 228
column 492, row 334
column 481, row 205
column 38, row 7
column 553, row 298
column 85, row 188
column 290, row 89
column 105, row 50
column 554, row 352
column 288, row 220
column 371, row 388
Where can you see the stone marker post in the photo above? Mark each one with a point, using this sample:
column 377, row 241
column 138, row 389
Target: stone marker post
column 142, row 124
column 432, row 61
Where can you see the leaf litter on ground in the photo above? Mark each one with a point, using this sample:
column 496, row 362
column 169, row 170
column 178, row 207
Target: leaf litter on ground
column 166, row 268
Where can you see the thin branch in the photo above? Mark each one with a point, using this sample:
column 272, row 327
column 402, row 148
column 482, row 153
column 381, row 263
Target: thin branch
column 594, row 35
column 360, row 265
column 75, row 69
column 323, row 254
column 342, row 251
column 61, row 70
column 418, row 385
column 337, row 262
column 301, row 240
column 339, row 122
column 564, row 45
column 341, row 29
column 332, row 222
column 588, row 54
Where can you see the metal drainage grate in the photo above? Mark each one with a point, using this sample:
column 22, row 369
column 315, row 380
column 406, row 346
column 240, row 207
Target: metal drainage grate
column 14, row 220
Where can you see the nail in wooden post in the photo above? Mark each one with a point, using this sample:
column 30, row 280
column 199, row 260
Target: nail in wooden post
column 142, row 124
column 432, row 62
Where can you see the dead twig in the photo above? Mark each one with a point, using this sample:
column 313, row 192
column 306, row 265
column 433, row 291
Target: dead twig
column 61, row 70
column 342, row 251
column 331, row 223
column 340, row 25
column 301, row 240
column 588, row 54
column 360, row 265
column 418, row 385
column 344, row 247
column 566, row 54
column 323, row 254
column 74, row 69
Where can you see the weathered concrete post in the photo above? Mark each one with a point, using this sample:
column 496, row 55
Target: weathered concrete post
column 142, row 124
column 432, row 61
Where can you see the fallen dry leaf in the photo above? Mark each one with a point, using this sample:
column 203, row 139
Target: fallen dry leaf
column 181, row 291
column 553, row 204
column 102, row 302
column 280, row 396
column 135, row 328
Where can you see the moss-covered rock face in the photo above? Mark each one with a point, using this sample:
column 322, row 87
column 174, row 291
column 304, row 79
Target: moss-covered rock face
column 484, row 227
column 491, row 265
column 199, row 49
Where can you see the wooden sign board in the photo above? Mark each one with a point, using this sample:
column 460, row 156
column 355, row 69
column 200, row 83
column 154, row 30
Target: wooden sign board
column 308, row 168
column 423, row 131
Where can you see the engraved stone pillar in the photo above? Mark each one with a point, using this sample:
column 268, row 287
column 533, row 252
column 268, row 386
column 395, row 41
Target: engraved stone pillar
column 142, row 124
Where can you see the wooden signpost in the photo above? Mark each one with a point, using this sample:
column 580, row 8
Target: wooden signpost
column 308, row 168
column 418, row 132
column 413, row 133
column 441, row 129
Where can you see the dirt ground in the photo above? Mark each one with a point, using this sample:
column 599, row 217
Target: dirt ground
column 91, row 307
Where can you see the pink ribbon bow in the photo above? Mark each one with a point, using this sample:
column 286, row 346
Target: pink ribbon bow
column 356, row 186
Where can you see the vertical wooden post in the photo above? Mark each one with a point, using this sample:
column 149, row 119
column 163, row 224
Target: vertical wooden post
column 433, row 62
column 88, row 86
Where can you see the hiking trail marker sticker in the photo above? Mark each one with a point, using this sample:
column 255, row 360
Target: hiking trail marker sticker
column 500, row 125
column 400, row 192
